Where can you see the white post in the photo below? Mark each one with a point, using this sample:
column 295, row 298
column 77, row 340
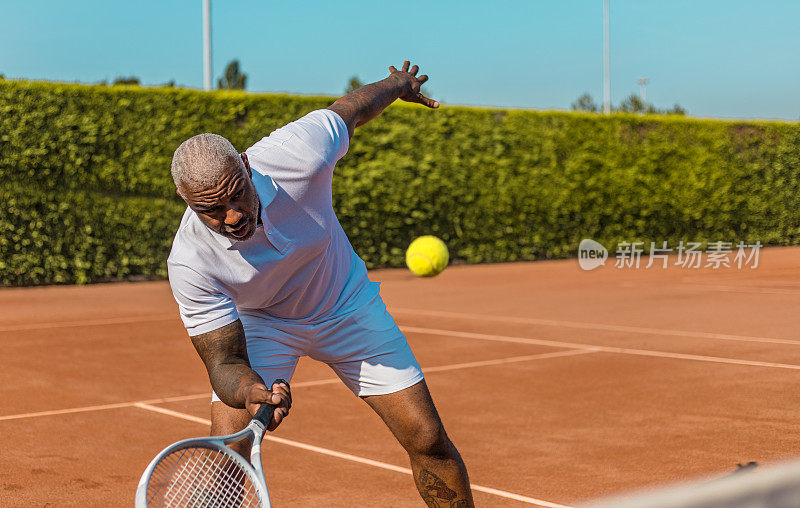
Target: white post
column 207, row 44
column 643, row 89
column 606, row 60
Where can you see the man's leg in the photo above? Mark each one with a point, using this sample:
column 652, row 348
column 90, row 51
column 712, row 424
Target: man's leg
column 439, row 472
column 227, row 420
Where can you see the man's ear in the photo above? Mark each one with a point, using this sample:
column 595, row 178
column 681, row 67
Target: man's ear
column 247, row 164
column 178, row 192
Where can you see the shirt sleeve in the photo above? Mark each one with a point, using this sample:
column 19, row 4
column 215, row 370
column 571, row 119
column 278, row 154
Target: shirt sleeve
column 325, row 133
column 321, row 134
column 203, row 308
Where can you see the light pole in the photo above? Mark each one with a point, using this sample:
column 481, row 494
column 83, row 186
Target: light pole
column 643, row 89
column 606, row 60
column 207, row 44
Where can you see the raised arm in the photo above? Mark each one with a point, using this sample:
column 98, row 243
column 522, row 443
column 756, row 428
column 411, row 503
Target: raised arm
column 365, row 103
column 224, row 353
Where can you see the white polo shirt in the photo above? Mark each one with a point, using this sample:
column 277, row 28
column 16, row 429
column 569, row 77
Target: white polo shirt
column 299, row 265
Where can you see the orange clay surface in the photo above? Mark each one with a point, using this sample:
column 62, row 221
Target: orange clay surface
column 557, row 385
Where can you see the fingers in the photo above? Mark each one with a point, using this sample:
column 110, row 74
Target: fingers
column 413, row 70
column 281, row 397
column 410, row 97
column 258, row 394
column 405, row 68
column 277, row 418
column 428, row 102
column 425, row 101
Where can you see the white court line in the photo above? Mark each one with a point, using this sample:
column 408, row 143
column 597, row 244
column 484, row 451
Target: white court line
column 301, row 384
column 103, row 406
column 88, row 322
column 594, row 347
column 354, row 458
column 595, row 326
column 162, row 400
column 169, row 412
column 460, row 315
column 749, row 289
column 512, row 359
column 67, row 411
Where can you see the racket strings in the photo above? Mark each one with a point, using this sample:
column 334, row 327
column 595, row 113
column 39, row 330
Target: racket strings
column 209, row 479
column 214, row 483
column 204, row 475
column 200, row 478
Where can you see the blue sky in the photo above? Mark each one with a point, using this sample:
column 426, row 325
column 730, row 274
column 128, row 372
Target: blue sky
column 717, row 58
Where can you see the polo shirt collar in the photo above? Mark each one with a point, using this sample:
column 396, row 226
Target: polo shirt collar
column 267, row 189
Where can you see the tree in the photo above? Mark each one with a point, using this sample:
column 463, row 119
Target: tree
column 233, row 79
column 676, row 110
column 585, row 103
column 132, row 80
column 353, row 84
column 633, row 104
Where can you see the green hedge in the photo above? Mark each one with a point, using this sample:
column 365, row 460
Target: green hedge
column 87, row 193
column 78, row 236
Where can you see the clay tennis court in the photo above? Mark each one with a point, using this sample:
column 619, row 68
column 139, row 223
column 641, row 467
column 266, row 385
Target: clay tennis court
column 557, row 385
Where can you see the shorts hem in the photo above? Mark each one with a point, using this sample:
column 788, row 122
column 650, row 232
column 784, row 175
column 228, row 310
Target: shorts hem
column 386, row 390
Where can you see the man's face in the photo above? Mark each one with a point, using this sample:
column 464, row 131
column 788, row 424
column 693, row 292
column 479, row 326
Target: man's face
column 231, row 206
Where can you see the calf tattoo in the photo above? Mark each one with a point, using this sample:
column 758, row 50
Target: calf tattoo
column 436, row 493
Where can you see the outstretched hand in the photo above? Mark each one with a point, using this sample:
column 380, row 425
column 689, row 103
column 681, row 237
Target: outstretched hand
column 412, row 84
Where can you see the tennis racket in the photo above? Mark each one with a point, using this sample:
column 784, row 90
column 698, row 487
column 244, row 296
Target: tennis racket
column 204, row 473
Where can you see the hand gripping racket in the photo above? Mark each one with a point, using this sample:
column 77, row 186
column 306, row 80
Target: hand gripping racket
column 204, row 473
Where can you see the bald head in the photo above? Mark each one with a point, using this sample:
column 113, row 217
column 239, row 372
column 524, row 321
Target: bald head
column 202, row 161
column 216, row 182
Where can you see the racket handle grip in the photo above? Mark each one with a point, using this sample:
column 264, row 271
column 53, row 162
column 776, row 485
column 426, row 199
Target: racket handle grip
column 264, row 413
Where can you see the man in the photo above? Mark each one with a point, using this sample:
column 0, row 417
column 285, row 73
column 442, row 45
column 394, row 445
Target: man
column 263, row 274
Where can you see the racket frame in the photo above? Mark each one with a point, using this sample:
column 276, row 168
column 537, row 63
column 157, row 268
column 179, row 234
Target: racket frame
column 253, row 469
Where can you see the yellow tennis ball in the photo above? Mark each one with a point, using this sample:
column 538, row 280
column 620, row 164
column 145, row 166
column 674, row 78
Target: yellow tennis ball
column 427, row 256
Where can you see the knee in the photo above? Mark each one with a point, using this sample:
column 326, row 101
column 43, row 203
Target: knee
column 429, row 441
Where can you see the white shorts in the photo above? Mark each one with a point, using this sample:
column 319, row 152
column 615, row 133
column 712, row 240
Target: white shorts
column 364, row 347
